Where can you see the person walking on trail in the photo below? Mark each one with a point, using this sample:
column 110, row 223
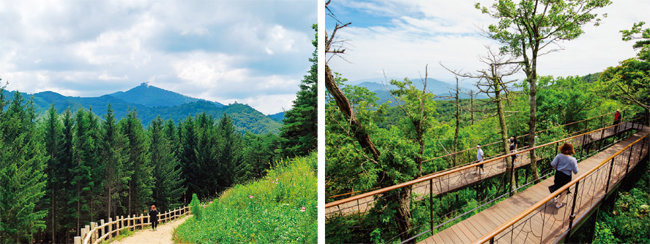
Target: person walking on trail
column 617, row 120
column 564, row 164
column 479, row 158
column 513, row 148
column 153, row 217
column 617, row 117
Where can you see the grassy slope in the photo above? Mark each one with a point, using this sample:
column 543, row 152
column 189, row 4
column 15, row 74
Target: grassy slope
column 273, row 214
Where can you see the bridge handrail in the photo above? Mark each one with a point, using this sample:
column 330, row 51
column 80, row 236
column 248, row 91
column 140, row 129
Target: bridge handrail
column 485, row 145
column 91, row 233
column 545, row 200
column 440, row 174
column 524, row 135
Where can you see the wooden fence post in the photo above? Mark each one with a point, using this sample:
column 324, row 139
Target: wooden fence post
column 110, row 227
column 77, row 240
column 93, row 236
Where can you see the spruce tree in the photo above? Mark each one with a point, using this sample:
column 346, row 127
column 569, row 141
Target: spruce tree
column 168, row 189
column 188, row 159
column 67, row 164
column 141, row 183
column 113, row 160
column 22, row 172
column 229, row 152
column 208, row 174
column 299, row 130
column 84, row 158
column 56, row 172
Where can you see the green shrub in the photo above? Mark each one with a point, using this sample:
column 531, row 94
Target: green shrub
column 280, row 208
column 195, row 207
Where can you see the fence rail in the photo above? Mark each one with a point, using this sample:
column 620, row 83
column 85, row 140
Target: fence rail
column 418, row 194
column 453, row 179
column 540, row 225
column 105, row 230
column 495, row 148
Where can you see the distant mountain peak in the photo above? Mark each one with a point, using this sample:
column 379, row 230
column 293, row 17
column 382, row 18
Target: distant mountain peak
column 152, row 96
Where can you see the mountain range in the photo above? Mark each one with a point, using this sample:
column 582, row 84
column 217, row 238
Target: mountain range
column 439, row 88
column 150, row 102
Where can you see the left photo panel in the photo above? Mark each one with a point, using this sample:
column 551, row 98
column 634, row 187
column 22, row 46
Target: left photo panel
column 158, row 121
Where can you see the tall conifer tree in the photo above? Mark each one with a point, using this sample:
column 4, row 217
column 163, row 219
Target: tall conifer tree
column 299, row 124
column 56, row 173
column 22, row 172
column 113, row 158
column 168, row 189
column 141, row 182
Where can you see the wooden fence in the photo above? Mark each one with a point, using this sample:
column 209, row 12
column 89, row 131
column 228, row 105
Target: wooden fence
column 106, row 230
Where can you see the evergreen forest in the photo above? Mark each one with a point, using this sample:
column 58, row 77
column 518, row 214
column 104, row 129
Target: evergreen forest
column 62, row 169
column 375, row 143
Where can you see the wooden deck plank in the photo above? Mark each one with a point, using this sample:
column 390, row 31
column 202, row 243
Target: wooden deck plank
column 554, row 220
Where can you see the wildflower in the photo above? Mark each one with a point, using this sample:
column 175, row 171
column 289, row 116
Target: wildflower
column 302, row 209
column 250, row 196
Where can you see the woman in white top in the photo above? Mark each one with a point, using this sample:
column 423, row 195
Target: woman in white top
column 564, row 164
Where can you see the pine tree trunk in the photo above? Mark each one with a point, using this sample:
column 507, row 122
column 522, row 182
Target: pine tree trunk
column 532, row 80
column 509, row 178
column 78, row 208
column 108, row 212
column 471, row 105
column 343, row 103
column 53, row 212
column 403, row 214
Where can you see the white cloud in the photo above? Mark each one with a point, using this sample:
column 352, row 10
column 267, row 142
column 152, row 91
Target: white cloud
column 222, row 51
column 430, row 32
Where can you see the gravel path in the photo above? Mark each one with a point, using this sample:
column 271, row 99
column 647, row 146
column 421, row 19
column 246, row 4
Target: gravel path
column 163, row 234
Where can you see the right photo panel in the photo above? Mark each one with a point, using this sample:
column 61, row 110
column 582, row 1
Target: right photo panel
column 507, row 121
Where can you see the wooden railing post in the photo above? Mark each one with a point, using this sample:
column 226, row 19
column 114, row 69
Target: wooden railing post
column 110, row 228
column 103, row 228
column 77, row 240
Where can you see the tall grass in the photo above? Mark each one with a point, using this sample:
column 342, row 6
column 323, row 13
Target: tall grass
column 279, row 208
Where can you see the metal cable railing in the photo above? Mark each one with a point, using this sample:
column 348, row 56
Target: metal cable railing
column 539, row 224
column 413, row 193
column 495, row 148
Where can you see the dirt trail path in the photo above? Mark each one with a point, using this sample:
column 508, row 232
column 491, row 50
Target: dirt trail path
column 162, row 234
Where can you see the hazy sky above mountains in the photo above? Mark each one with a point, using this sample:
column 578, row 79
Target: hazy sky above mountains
column 399, row 37
column 253, row 52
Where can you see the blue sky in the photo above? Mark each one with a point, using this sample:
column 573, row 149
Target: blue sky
column 253, row 52
column 400, row 37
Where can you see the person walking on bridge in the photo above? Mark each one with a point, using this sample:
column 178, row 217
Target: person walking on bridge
column 479, row 158
column 153, row 217
column 513, row 148
column 564, row 164
column 617, row 117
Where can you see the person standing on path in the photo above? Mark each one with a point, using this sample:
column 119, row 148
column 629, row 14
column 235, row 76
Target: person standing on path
column 479, row 158
column 564, row 164
column 513, row 148
column 617, row 117
column 153, row 217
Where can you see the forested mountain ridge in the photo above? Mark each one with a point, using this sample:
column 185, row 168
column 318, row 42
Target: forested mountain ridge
column 441, row 89
column 152, row 96
column 150, row 102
